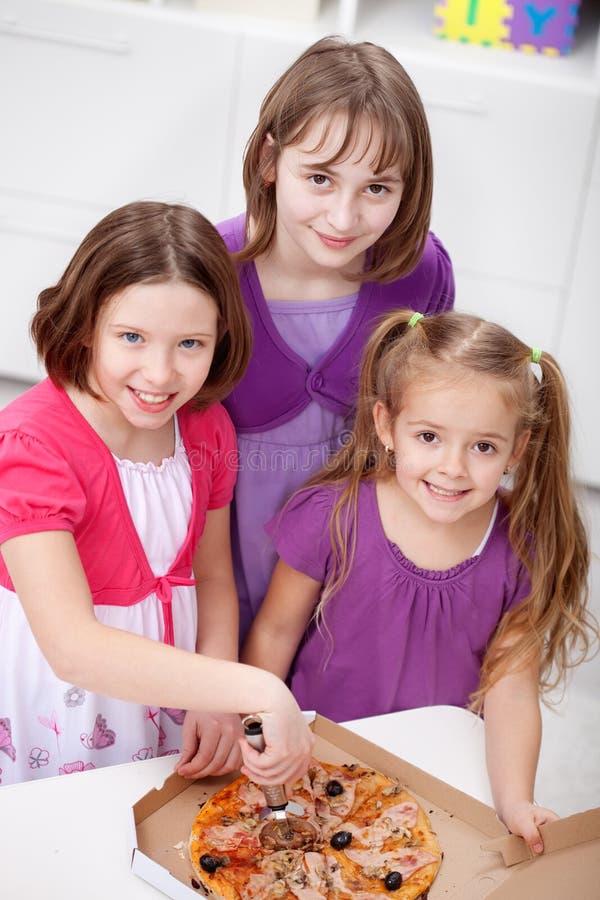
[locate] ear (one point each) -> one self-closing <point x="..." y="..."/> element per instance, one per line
<point x="519" y="448"/>
<point x="383" y="425"/>
<point x="266" y="158"/>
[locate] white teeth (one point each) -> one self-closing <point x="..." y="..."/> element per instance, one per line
<point x="439" y="490"/>
<point x="152" y="398"/>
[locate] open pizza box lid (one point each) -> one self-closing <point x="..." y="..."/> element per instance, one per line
<point x="481" y="860"/>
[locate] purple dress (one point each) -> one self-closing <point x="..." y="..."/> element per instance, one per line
<point x="289" y="453"/>
<point x="401" y="637"/>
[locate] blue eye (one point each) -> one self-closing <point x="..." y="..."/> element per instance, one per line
<point x="190" y="343"/>
<point x="132" y="337"/>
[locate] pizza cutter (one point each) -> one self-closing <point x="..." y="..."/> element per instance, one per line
<point x="285" y="829"/>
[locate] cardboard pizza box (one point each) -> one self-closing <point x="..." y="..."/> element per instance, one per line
<point x="481" y="859"/>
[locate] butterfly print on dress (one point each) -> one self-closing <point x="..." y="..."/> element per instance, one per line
<point x="176" y="715"/>
<point x="100" y="738"/>
<point x="6" y="744"/>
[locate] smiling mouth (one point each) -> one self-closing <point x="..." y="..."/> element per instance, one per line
<point x="336" y="242"/>
<point x="443" y="492"/>
<point x="151" y="398"/>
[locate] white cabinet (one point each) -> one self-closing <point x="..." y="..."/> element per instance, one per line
<point x="579" y="335"/>
<point x="99" y="106"/>
<point x="103" y="102"/>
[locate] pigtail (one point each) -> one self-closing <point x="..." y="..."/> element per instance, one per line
<point x="362" y="457"/>
<point x="548" y="536"/>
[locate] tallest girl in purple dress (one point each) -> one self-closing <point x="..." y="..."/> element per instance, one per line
<point x="338" y="179"/>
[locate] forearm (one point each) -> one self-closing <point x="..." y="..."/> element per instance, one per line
<point x="149" y="672"/>
<point x="268" y="649"/>
<point x="513" y="736"/>
<point x="218" y="618"/>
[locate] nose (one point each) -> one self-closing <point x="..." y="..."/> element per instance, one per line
<point x="158" y="367"/>
<point x="343" y="212"/>
<point x="452" y="462"/>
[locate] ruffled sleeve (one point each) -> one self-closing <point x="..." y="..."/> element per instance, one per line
<point x="300" y="532"/>
<point x="225" y="461"/>
<point x="38" y="489"/>
<point x="211" y="446"/>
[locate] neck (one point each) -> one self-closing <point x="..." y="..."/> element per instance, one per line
<point x="436" y="546"/>
<point x="283" y="278"/>
<point x="121" y="438"/>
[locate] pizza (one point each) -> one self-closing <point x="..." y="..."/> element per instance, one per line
<point x="361" y="835"/>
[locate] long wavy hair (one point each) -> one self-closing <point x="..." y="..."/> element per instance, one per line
<point x="545" y="529"/>
<point x="368" y="88"/>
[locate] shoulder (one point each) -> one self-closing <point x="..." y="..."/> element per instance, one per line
<point x="233" y="232"/>
<point x="429" y="288"/>
<point x="499" y="553"/>
<point x="28" y="412"/>
<point x="43" y="415"/>
<point x="210" y="427"/>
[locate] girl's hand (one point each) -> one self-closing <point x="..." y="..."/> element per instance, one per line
<point x="209" y="744"/>
<point x="288" y="751"/>
<point x="523" y="818"/>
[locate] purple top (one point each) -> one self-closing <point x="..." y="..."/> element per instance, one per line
<point x="289" y="453"/>
<point x="298" y="394"/>
<point x="401" y="637"/>
<point x="279" y="383"/>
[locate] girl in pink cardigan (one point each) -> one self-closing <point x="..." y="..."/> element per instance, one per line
<point x="118" y="609"/>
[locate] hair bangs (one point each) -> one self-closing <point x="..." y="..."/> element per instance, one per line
<point x="367" y="133"/>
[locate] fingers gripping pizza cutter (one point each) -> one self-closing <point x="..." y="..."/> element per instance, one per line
<point x="285" y="828"/>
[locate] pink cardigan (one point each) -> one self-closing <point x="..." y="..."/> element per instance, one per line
<point x="56" y="474"/>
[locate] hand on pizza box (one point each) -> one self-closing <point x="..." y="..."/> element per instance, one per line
<point x="288" y="749"/>
<point x="523" y="818"/>
<point x="210" y="744"/>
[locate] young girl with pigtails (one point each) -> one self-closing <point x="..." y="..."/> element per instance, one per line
<point x="411" y="573"/>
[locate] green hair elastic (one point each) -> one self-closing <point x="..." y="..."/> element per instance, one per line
<point x="415" y="318"/>
<point x="536" y="354"/>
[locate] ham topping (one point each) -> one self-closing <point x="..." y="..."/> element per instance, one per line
<point x="392" y="821"/>
<point x="230" y="837"/>
<point x="404" y="860"/>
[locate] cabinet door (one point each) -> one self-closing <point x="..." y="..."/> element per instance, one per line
<point x="578" y="347"/>
<point x="261" y="61"/>
<point x="100" y="106"/>
<point x="510" y="162"/>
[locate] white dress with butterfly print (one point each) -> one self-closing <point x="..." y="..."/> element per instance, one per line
<point x="58" y="728"/>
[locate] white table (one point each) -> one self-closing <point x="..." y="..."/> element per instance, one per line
<point x="45" y="826"/>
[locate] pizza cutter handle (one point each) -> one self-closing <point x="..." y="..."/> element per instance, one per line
<point x="274" y="793"/>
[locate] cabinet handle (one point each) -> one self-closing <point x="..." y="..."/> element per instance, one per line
<point x="37" y="231"/>
<point x="471" y="107"/>
<point x="11" y="28"/>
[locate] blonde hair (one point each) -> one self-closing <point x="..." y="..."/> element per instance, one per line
<point x="367" y="86"/>
<point x="545" y="529"/>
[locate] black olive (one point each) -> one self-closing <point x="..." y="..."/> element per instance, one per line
<point x="393" y="880"/>
<point x="334" y="788"/>
<point x="210" y="863"/>
<point x="340" y="840"/>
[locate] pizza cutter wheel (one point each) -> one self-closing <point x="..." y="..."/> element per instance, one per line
<point x="285" y="829"/>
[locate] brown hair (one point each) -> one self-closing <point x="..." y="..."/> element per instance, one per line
<point x="545" y="531"/>
<point x="368" y="86"/>
<point x="144" y="242"/>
